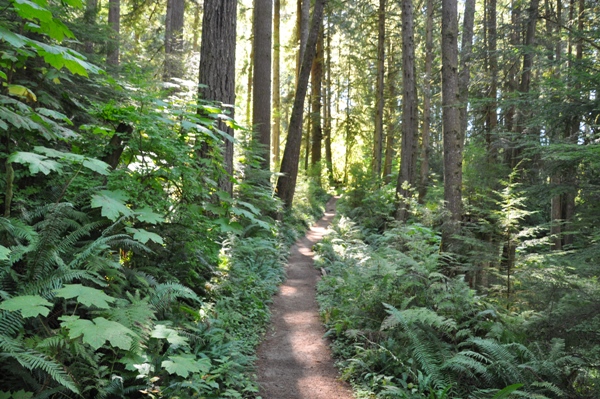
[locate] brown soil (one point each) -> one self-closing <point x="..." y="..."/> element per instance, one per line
<point x="294" y="360"/>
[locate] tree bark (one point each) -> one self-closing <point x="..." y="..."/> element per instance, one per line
<point x="316" y="87"/>
<point x="453" y="141"/>
<point x="491" y="117"/>
<point x="91" y="12"/>
<point x="410" y="122"/>
<point x="114" y="20"/>
<point x="327" y="119"/>
<point x="464" y="74"/>
<point x="174" y="39"/>
<point x="391" y="115"/>
<point x="261" y="100"/>
<point x="286" y="184"/>
<point x="276" y="132"/>
<point x="379" y="94"/>
<point x="425" y="133"/>
<point x="217" y="68"/>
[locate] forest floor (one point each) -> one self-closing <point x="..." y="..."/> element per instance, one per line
<point x="294" y="360"/>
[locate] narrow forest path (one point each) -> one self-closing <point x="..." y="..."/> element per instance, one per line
<point x="294" y="360"/>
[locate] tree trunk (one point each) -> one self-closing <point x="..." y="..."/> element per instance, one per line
<point x="196" y="26"/>
<point x="114" y="20"/>
<point x="217" y="68"/>
<point x="286" y="184"/>
<point x="261" y="100"/>
<point x="491" y="117"/>
<point x="424" y="172"/>
<point x="453" y="141"/>
<point x="391" y="115"/>
<point x="174" y="39"/>
<point x="410" y="122"/>
<point x="379" y="97"/>
<point x="91" y="12"/>
<point x="465" y="60"/>
<point x="303" y="11"/>
<point x="327" y="119"/>
<point x="316" y="127"/>
<point x="276" y="83"/>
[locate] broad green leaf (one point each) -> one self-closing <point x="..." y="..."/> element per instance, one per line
<point x="93" y="164"/>
<point x="172" y="336"/>
<point x="14" y="39"/>
<point x="505" y="393"/>
<point x="148" y="216"/>
<point x="5" y="395"/>
<point x="183" y="365"/>
<point x="28" y="305"/>
<point x="96" y="332"/>
<point x="87" y="296"/>
<point x="30" y="10"/>
<point x="54" y="115"/>
<point x="144" y="236"/>
<point x="112" y="204"/>
<point x="21" y="91"/>
<point x="37" y="163"/>
<point x="4" y="252"/>
<point x="22" y="394"/>
<point x="227" y="226"/>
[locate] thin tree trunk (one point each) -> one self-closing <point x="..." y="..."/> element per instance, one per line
<point x="276" y="83"/>
<point x="114" y="20"/>
<point x="391" y="115"/>
<point x="316" y="86"/>
<point x="491" y="117"/>
<point x="453" y="142"/>
<point x="425" y="150"/>
<point x="379" y="97"/>
<point x="286" y="184"/>
<point x="91" y="12"/>
<point x="327" y="127"/>
<point x="174" y="39"/>
<point x="217" y="69"/>
<point x="464" y="74"/>
<point x="410" y="122"/>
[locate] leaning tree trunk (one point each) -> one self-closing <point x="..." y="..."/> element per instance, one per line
<point x="286" y="184"/>
<point x="410" y="123"/>
<point x="217" y="68"/>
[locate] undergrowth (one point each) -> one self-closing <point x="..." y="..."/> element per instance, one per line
<point x="402" y="329"/>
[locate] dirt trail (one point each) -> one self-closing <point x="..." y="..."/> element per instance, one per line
<point x="294" y="360"/>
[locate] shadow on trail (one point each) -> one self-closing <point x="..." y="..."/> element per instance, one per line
<point x="294" y="360"/>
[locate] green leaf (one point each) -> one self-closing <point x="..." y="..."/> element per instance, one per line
<point x="112" y="204"/>
<point x="92" y="164"/>
<point x="144" y="236"/>
<point x="4" y="252"/>
<point x="22" y="394"/>
<point x="96" y="332"/>
<point x="227" y="226"/>
<point x="21" y="91"/>
<point x="147" y="215"/>
<point x="28" y="305"/>
<point x="504" y="393"/>
<point x="54" y="115"/>
<point x="87" y="296"/>
<point x="183" y="365"/>
<point x="172" y="336"/>
<point x="37" y="163"/>
<point x="14" y="39"/>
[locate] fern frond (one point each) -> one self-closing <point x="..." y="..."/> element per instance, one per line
<point x="33" y="360"/>
<point x="166" y="294"/>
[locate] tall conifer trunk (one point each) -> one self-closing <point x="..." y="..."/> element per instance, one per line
<point x="453" y="143"/>
<point x="379" y="94"/>
<point x="425" y="133"/>
<point x="410" y="123"/>
<point x="261" y="100"/>
<point x="316" y="87"/>
<point x="276" y="132"/>
<point x="217" y="68"/>
<point x="114" y="20"/>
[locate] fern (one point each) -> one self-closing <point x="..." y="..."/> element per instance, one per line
<point x="33" y="360"/>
